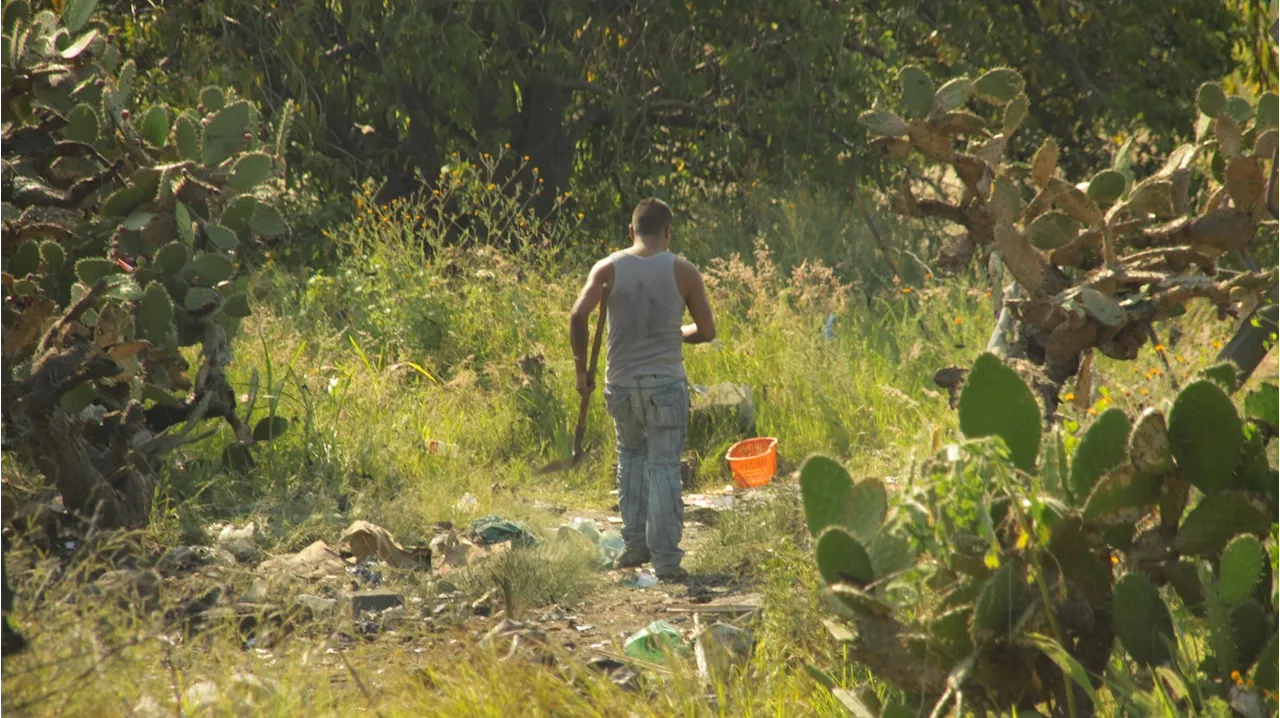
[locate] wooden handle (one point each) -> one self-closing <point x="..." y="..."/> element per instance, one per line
<point x="581" y="429"/>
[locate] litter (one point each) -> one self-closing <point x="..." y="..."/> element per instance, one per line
<point x="435" y="447"/>
<point x="719" y="647"/>
<point x="642" y="579"/>
<point x="490" y="530"/>
<point x="314" y="561"/>
<point x="367" y="540"/>
<point x="611" y="547"/>
<point x="654" y="641"/>
<point x="587" y="528"/>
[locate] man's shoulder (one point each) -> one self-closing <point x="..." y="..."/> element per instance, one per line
<point x="684" y="266"/>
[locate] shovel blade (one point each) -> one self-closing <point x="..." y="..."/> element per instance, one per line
<point x="563" y="464"/>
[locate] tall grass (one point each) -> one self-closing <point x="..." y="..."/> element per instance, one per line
<point x="431" y="328"/>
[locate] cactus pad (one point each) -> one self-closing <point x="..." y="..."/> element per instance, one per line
<point x="172" y="257"/>
<point x="868" y="503"/>
<point x="237" y="214"/>
<point x="224" y="135"/>
<point x="75" y="13"/>
<point x="212" y="268"/>
<point x="1250" y="629"/>
<point x="825" y="488"/>
<point x="155" y="126"/>
<point x="1149" y="443"/>
<point x="917" y="91"/>
<point x="999" y="86"/>
<point x="1267" y="114"/>
<point x="883" y="123"/>
<point x="890" y="554"/>
<point x="1265" y="673"/>
<point x="1001" y="602"/>
<point x="1052" y="230"/>
<point x="1015" y="113"/>
<point x="267" y="222"/>
<point x="996" y="402"/>
<point x="1101" y="449"/>
<point x="91" y="269"/>
<point x="951" y="96"/>
<point x="197" y="298"/>
<point x="1211" y="99"/>
<point x="1142" y="620"/>
<point x="221" y="237"/>
<point x="1263" y="405"/>
<point x="237" y="305"/>
<point x="1239" y="109"/>
<point x="212" y="98"/>
<point x="250" y="170"/>
<point x="155" y="315"/>
<point x="1225" y="374"/>
<point x="52" y="255"/>
<point x="1218" y="519"/>
<point x="270" y="428"/>
<point x="82" y="125"/>
<point x="1205" y="435"/>
<point x="187" y="137"/>
<point x="1122" y="497"/>
<point x="1240" y="569"/>
<point x="182" y="222"/>
<point x="842" y="559"/>
<point x="1106" y="187"/>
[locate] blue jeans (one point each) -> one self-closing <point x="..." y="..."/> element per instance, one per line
<point x="651" y="417"/>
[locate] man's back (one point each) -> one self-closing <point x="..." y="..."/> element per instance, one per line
<point x="646" y="308"/>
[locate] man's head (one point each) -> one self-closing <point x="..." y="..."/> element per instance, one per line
<point x="651" y="222"/>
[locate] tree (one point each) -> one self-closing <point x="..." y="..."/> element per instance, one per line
<point x="121" y="233"/>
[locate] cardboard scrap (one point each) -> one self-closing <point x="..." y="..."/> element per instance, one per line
<point x="364" y="540"/>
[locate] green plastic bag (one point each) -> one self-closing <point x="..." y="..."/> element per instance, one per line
<point x="654" y="641"/>
<point x="491" y="530"/>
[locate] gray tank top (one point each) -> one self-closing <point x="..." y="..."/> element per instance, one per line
<point x="645" y="313"/>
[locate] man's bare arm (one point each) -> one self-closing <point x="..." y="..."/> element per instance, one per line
<point x="703" y="328"/>
<point x="579" y="317"/>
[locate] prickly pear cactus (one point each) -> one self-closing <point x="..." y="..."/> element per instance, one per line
<point x="1022" y="590"/>
<point x="1096" y="260"/>
<point x="122" y="225"/>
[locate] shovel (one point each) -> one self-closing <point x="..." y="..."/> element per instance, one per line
<point x="581" y="429"/>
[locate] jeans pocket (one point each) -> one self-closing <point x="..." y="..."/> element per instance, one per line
<point x="671" y="407"/>
<point x="616" y="401"/>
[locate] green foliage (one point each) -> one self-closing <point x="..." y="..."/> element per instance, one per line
<point x="1102" y="449"/>
<point x="1006" y="560"/>
<point x="123" y="218"/>
<point x="1205" y="435"/>
<point x="996" y="402"/>
<point x="1240" y="569"/>
<point x="842" y="559"/>
<point x="1143" y="621"/>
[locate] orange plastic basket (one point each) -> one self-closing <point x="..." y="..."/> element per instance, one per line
<point x="753" y="461"/>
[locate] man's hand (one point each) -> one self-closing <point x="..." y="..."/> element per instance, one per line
<point x="586" y="384"/>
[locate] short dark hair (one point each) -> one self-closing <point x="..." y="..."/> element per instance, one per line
<point x="651" y="217"/>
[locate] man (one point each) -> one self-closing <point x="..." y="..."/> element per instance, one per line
<point x="648" y="290"/>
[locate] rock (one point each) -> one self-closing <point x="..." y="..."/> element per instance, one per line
<point x="257" y="592"/>
<point x="128" y="585"/>
<point x="148" y="707"/>
<point x="315" y="607"/>
<point x="182" y="559"/>
<point x="240" y="541"/>
<point x="202" y="696"/>
<point x="371" y="601"/>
